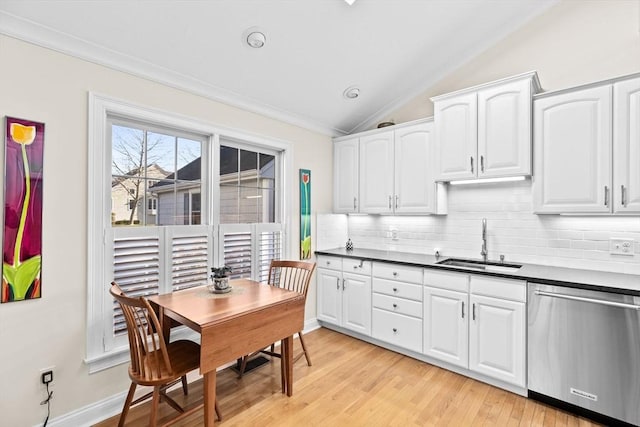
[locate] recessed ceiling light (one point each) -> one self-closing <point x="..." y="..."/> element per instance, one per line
<point x="350" y="2"/>
<point x="352" y="92"/>
<point x="256" y="39"/>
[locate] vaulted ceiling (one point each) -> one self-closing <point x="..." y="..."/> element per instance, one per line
<point x="392" y="50"/>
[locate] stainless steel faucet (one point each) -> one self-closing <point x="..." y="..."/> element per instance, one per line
<point x="484" y="251"/>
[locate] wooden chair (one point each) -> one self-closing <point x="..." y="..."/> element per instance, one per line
<point x="294" y="276"/>
<point x="154" y="362"/>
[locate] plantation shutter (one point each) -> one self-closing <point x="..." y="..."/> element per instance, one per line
<point x="189" y="259"/>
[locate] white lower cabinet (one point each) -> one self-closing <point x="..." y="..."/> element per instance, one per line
<point x="397" y="305"/>
<point x="476" y="322"/>
<point x="445" y="325"/>
<point x="344" y="293"/>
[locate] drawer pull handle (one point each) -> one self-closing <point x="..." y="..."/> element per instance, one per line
<point x="395" y="331"/>
<point x="395" y="289"/>
<point x="395" y="306"/>
<point x="395" y="273"/>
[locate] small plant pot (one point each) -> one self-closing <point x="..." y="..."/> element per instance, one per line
<point x="221" y="283"/>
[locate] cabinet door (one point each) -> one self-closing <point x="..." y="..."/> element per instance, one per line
<point x="329" y="285"/>
<point x="356" y="303"/>
<point x="414" y="184"/>
<point x="504" y="130"/>
<point x="376" y="173"/>
<point x="456" y="133"/>
<point x="497" y="339"/>
<point x="626" y="146"/>
<point x="572" y="152"/>
<point x="345" y="176"/>
<point x="445" y="325"/>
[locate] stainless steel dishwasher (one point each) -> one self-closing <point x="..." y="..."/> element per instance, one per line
<point x="584" y="349"/>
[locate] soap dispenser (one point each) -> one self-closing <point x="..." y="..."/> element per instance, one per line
<point x="349" y="245"/>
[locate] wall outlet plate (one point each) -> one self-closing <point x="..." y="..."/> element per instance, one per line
<point x="621" y="247"/>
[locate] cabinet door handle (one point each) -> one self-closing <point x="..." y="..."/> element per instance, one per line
<point x="337" y="283"/>
<point x="482" y="164"/>
<point x="343" y="285"/>
<point x="473" y="314"/>
<point x="606" y="195"/>
<point x="397" y="200"/>
<point x="354" y="203"/>
<point x="463" y="309"/>
<point x="390" y="198"/>
<point x="471" y="164"/>
<point x="623" y="196"/>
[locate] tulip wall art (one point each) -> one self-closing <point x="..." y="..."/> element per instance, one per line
<point x="305" y="214"/>
<point x="22" y="245"/>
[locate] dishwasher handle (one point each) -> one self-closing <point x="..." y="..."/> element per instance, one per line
<point x="591" y="300"/>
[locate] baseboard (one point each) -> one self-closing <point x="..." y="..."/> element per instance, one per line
<point x="111" y="406"/>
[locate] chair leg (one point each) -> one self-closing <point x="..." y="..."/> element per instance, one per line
<point x="153" y="418"/>
<point x="218" y="413"/>
<point x="185" y="387"/>
<point x="127" y="404"/>
<point x="304" y="349"/>
<point x="243" y="366"/>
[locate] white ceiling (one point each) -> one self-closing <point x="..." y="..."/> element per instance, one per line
<point x="391" y="49"/>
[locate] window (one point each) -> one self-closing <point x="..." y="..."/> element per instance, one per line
<point x="169" y="198"/>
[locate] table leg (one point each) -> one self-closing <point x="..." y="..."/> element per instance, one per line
<point x="209" y="398"/>
<point x="289" y="364"/>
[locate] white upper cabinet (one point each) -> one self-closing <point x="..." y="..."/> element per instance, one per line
<point x="414" y="188"/>
<point x="345" y="176"/>
<point x="504" y="130"/>
<point x="376" y="173"/>
<point x="388" y="171"/>
<point x="457" y="137"/>
<point x="485" y="132"/>
<point x="626" y="146"/>
<point x="572" y="148"/>
<point x="587" y="149"/>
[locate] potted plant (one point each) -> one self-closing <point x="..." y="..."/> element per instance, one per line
<point x="220" y="278"/>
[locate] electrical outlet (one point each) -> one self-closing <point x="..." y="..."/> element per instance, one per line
<point x="394" y="234"/>
<point x="621" y="246"/>
<point x="46" y="375"/>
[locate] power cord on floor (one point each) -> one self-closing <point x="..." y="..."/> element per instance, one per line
<point x="47" y="402"/>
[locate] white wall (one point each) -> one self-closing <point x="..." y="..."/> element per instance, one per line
<point x="573" y="43"/>
<point x="46" y="86"/>
<point x="512" y="230"/>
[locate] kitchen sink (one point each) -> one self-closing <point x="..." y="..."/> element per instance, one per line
<point x="498" y="267"/>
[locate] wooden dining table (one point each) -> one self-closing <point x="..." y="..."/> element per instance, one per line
<point x="248" y="318"/>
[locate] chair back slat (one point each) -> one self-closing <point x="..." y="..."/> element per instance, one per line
<point x="147" y="347"/>
<point x="292" y="275"/>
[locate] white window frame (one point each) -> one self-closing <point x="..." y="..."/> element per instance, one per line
<point x="101" y="354"/>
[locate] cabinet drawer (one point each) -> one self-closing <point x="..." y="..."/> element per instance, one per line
<point x="398" y="305"/>
<point x="397" y="289"/>
<point x="358" y="266"/>
<point x="398" y="272"/>
<point x="447" y="280"/>
<point x="329" y="262"/>
<point x="397" y="329"/>
<point x="515" y="290"/>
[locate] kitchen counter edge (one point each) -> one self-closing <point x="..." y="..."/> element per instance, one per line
<point x="550" y="275"/>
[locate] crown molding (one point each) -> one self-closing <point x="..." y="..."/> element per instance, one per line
<point x="40" y="35"/>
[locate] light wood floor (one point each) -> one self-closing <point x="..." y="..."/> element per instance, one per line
<point x="353" y="383"/>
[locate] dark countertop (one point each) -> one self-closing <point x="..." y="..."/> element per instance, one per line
<point x="572" y="277"/>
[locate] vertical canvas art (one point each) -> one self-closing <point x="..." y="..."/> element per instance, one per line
<point x="305" y="214"/>
<point x="22" y="245"/>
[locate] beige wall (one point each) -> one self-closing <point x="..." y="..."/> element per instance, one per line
<point x="573" y="43"/>
<point x="50" y="87"/>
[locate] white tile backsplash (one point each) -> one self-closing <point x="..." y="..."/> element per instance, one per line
<point x="512" y="230"/>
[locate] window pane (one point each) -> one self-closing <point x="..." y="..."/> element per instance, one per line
<point x="189" y="159"/>
<point x="127" y="151"/>
<point x="267" y="171"/>
<point x="249" y="205"/>
<point x="164" y="192"/>
<point x="229" y="207"/>
<point x="161" y="153"/>
<point x="229" y="165"/>
<point x="248" y="168"/>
